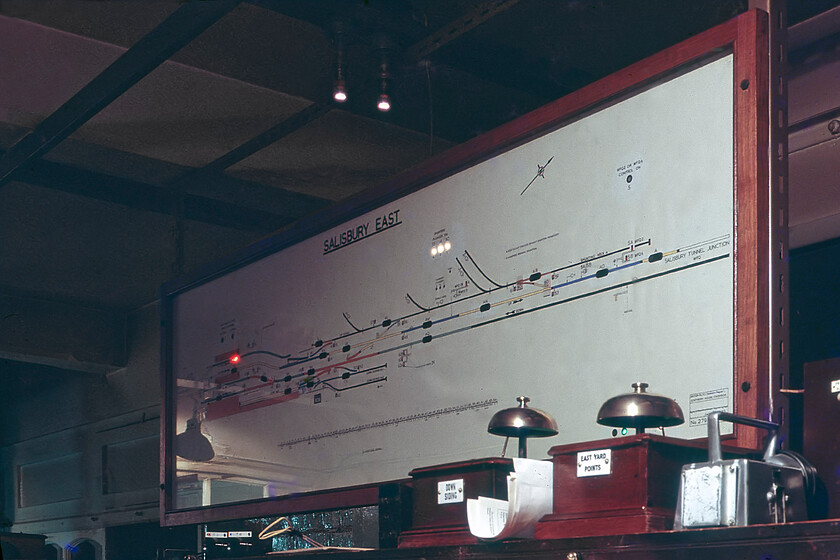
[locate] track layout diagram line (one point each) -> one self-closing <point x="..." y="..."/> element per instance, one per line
<point x="479" y="405"/>
<point x="236" y="387"/>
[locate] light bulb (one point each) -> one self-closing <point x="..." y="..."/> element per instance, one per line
<point x="339" y="93"/>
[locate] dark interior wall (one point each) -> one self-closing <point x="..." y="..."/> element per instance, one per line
<point x="79" y="450"/>
<point x="148" y="541"/>
<point x="815" y="316"/>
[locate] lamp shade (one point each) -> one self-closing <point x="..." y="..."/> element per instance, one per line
<point x="640" y="410"/>
<point x="522" y="422"/>
<point x="192" y="445"/>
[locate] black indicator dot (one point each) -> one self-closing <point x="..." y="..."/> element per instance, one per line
<point x="386" y="323"/>
<point x="233" y="370"/>
<point x="427" y="338"/>
<point x="310" y="383"/>
<point x="484" y="307"/>
<point x="345" y="375"/>
<point x="655" y="257"/>
<point x="346" y="348"/>
<point x="263" y="378"/>
<point x="427" y="324"/>
<point x="629" y="179"/>
<point x="310" y="371"/>
<point x="322" y="355"/>
<point x="535" y="276"/>
<point x="319" y="343"/>
<point x="287" y="391"/>
<point x="602" y="272"/>
<point x="287" y="378"/>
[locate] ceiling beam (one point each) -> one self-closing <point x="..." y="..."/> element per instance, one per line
<point x="456" y="28"/>
<point x="270" y="136"/>
<point x="179" y="29"/>
<point x="513" y="69"/>
<point x="285" y="206"/>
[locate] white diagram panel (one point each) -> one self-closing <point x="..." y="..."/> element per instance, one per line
<point x="565" y="269"/>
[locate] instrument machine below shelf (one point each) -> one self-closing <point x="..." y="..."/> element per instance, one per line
<point x="738" y="492"/>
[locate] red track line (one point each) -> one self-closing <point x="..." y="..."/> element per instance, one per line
<point x="351" y="360"/>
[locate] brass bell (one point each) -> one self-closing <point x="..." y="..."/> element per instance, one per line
<point x="640" y="410"/>
<point x="522" y="422"/>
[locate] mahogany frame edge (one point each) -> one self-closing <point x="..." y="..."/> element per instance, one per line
<point x="752" y="214"/>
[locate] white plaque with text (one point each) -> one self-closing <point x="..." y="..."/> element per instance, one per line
<point x="594" y="463"/>
<point x="451" y="491"/>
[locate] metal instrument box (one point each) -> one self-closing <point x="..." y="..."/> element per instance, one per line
<point x="739" y="492"/>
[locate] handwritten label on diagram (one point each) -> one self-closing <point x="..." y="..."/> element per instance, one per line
<point x="594" y="463"/>
<point x="630" y="174"/>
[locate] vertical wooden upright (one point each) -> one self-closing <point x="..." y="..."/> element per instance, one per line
<point x="752" y="210"/>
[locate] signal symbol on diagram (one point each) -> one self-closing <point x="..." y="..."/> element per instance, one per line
<point x="623" y="296"/>
<point x="402" y="361"/>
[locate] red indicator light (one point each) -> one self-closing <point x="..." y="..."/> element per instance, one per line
<point x="234" y="359"/>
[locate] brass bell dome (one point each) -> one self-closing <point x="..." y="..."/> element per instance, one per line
<point x="640" y="410"/>
<point x="522" y="422"/>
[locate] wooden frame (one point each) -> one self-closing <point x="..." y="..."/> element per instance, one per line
<point x="746" y="37"/>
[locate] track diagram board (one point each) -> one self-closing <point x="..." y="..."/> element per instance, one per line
<point x="565" y="269"/>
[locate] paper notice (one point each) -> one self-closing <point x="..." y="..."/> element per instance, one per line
<point x="530" y="496"/>
<point x="487" y="516"/>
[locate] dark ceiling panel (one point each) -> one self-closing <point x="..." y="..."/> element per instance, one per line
<point x="150" y="198"/>
<point x="278" y="131"/>
<point x="180" y="28"/>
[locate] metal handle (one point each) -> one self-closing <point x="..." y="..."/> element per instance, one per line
<point x="715" y="454"/>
